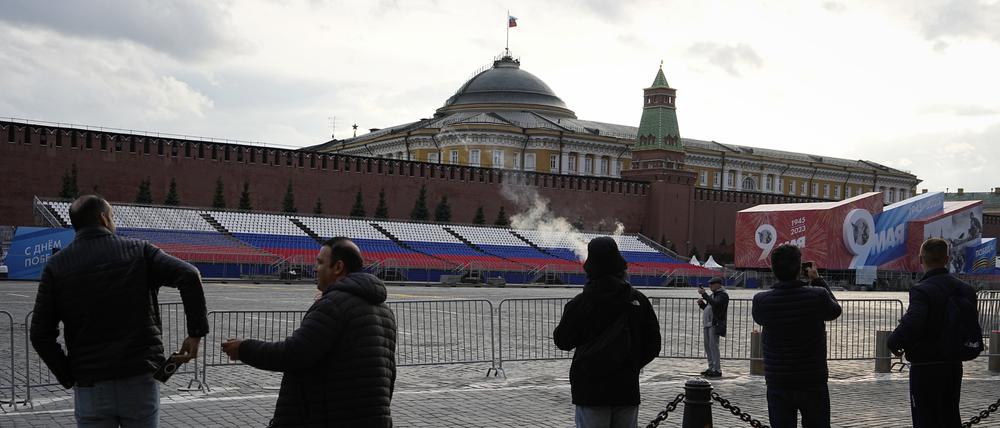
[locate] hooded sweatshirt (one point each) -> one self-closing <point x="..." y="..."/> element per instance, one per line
<point x="340" y="364"/>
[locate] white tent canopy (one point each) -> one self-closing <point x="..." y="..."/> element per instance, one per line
<point x="694" y="261"/>
<point x="711" y="263"/>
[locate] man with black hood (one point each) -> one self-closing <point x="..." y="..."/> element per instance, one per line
<point x="340" y="365"/>
<point x="615" y="333"/>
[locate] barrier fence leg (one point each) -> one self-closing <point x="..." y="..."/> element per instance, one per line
<point x="697" y="404"/>
<point x="994" y="358"/>
<point x="883" y="357"/>
<point x="756" y="354"/>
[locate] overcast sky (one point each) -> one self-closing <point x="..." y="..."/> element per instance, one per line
<point x="911" y="84"/>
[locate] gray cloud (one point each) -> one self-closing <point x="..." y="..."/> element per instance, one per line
<point x="959" y="18"/>
<point x="962" y="110"/>
<point x="833" y="6"/>
<point x="608" y="10"/>
<point x="734" y="59"/>
<point x="184" y="29"/>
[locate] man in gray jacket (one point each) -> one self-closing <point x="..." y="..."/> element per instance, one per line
<point x="714" y="307"/>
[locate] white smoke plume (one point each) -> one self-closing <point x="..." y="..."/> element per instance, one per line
<point x="534" y="214"/>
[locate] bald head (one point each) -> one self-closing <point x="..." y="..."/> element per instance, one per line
<point x="90" y="211"/>
<point x="342" y="248"/>
<point x="934" y="253"/>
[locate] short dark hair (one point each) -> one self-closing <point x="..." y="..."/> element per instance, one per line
<point x="86" y="211"/>
<point x="786" y="262"/>
<point x="934" y="251"/>
<point x="344" y="249"/>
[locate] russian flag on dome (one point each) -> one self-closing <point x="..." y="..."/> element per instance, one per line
<point x="511" y="21"/>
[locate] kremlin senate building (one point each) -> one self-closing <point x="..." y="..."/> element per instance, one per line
<point x="503" y="127"/>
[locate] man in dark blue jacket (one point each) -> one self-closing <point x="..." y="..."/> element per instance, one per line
<point x="605" y="388"/>
<point x="104" y="289"/>
<point x="935" y="377"/>
<point x="794" y="338"/>
<point x="339" y="366"/>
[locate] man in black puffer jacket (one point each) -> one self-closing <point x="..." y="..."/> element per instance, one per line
<point x="935" y="376"/>
<point x="340" y="365"/>
<point x="608" y="396"/>
<point x="104" y="290"/>
<point x="794" y="339"/>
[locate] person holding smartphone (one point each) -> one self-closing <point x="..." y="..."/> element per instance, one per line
<point x="714" y="307"/>
<point x="792" y="315"/>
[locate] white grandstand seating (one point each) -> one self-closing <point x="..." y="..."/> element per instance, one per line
<point x="488" y="236"/>
<point x="355" y="229"/>
<point x="61" y="209"/>
<point x="421" y="232"/>
<point x="139" y="217"/>
<point x="625" y="242"/>
<point x="269" y="224"/>
<point x="547" y="239"/>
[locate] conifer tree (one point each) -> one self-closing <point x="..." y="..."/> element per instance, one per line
<point x="358" y="210"/>
<point x="480" y="218"/>
<point x="318" y="208"/>
<point x="144" y="196"/>
<point x="382" y="210"/>
<point x="442" y="213"/>
<point x="420" y="207"/>
<point x="694" y="252"/>
<point x="288" y="205"/>
<point x="502" y="219"/>
<point x="245" y="198"/>
<point x="219" y="199"/>
<point x="172" y="197"/>
<point x="69" y="190"/>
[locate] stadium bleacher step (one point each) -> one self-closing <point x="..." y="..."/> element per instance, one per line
<point x="306" y="229"/>
<point x="215" y="223"/>
<point x="393" y="238"/>
<point x="476" y="247"/>
<point x="533" y="245"/>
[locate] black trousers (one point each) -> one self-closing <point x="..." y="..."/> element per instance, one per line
<point x="935" y="391"/>
<point x="784" y="405"/>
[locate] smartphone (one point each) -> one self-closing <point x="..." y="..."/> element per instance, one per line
<point x="805" y="268"/>
<point x="168" y="368"/>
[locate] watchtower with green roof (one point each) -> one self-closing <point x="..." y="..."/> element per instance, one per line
<point x="658" y="158"/>
<point x="658" y="127"/>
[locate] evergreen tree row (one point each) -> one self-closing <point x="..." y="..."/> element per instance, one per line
<point x="144" y="195"/>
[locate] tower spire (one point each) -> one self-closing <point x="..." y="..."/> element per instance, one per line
<point x="658" y="127"/>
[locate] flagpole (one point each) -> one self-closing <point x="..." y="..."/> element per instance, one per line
<point x="506" y="47"/>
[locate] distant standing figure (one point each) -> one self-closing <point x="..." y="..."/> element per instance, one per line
<point x="615" y="333"/>
<point x="792" y="315"/>
<point x="935" y="376"/>
<point x="714" y="308"/>
<point x="104" y="289"/>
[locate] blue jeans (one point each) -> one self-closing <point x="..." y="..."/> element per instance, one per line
<point x="607" y="416"/>
<point x="127" y="402"/>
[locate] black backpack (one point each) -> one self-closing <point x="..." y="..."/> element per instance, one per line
<point x="609" y="350"/>
<point x="961" y="334"/>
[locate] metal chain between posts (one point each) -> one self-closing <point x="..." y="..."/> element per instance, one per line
<point x="982" y="415"/>
<point x="735" y="410"/>
<point x="662" y="416"/>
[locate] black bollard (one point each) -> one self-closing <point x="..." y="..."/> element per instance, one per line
<point x="697" y="404"/>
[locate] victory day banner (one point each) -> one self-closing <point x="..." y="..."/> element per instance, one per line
<point x="31" y="249"/>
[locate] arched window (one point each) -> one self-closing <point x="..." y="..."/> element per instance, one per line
<point x="749" y="183"/>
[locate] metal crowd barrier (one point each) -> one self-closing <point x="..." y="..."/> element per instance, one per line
<point x="525" y="330"/>
<point x="8" y="395"/>
<point x="444" y="332"/>
<point x="989" y="315"/>
<point x="526" y="325"/>
<point x="268" y="326"/>
<point x="429" y="332"/>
